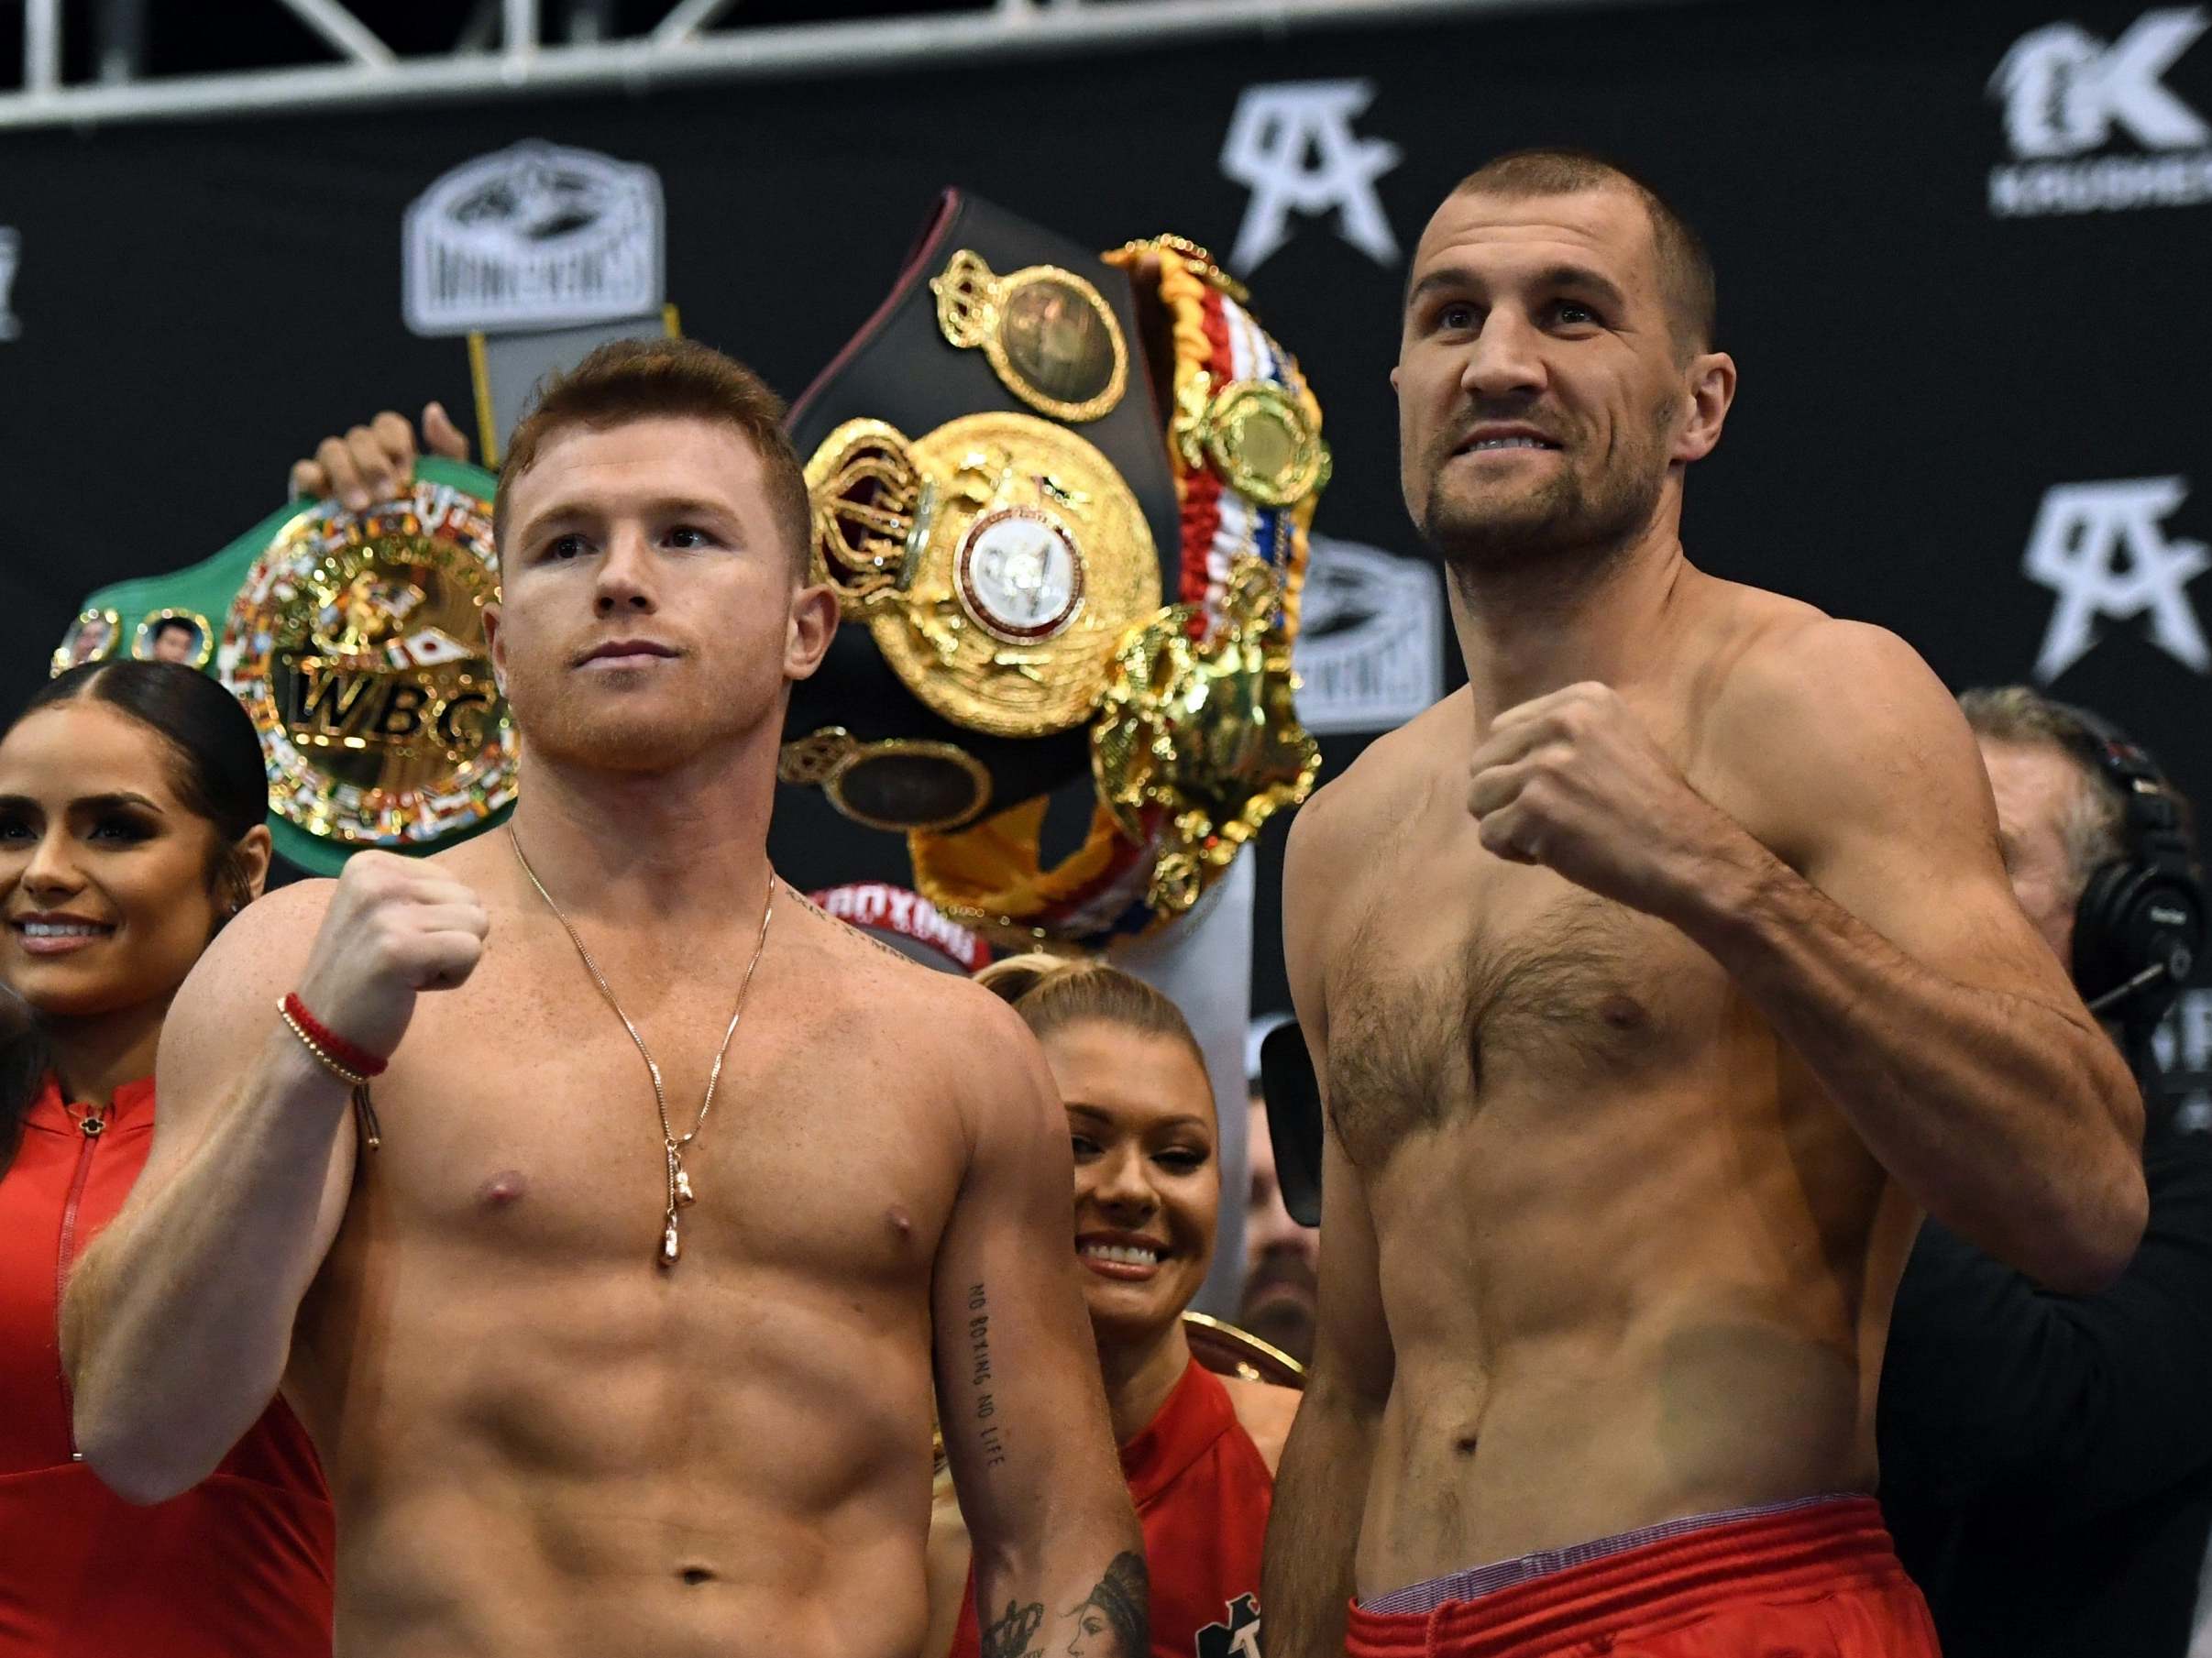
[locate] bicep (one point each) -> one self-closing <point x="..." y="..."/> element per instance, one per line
<point x="221" y="1028"/>
<point x="1878" y="795"/>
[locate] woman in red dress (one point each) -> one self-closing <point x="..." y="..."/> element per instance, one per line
<point x="132" y="795"/>
<point x="1199" y="1450"/>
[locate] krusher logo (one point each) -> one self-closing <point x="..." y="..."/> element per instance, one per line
<point x="533" y="236"/>
<point x="11" y="248"/>
<point x="2067" y="92"/>
<point x="2101" y="549"/>
<point x="1291" y="146"/>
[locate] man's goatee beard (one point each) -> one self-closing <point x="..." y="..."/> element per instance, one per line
<point x="1565" y="528"/>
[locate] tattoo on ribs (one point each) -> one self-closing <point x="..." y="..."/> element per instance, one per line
<point x="1011" y="1635"/>
<point x="1115" y="1619"/>
<point x="988" y="1432"/>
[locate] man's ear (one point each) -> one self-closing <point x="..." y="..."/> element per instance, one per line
<point x="813" y="623"/>
<point x="1712" y="390"/>
<point x="493" y="646"/>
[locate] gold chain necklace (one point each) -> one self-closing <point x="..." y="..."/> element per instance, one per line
<point x="680" y="1195"/>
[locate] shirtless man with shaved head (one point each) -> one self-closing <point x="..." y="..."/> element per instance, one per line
<point x="621" y="1337"/>
<point x="1658" y="980"/>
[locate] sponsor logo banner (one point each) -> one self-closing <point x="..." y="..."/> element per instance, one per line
<point x="2183" y="1043"/>
<point x="2102" y="550"/>
<point x="1371" y="638"/>
<point x="535" y="237"/>
<point x="2067" y="92"/>
<point x="1293" y="147"/>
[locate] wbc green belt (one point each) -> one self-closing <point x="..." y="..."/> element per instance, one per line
<point x="355" y="642"/>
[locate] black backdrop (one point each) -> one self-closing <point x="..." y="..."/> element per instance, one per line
<point x="198" y="303"/>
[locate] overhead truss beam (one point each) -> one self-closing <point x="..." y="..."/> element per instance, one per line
<point x="681" y="49"/>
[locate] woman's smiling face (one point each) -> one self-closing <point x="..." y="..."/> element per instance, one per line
<point x="1148" y="1185"/>
<point x="104" y="871"/>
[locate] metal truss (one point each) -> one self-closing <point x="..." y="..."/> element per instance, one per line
<point x="684" y="46"/>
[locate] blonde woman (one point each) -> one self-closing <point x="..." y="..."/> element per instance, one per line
<point x="1198" y="1450"/>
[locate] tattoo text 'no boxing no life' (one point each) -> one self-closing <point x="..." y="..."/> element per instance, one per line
<point x="979" y="1377"/>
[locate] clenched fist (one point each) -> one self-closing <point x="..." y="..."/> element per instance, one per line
<point x="395" y="926"/>
<point x="375" y="462"/>
<point x="1572" y="781"/>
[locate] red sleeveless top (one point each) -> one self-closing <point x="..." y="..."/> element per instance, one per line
<point x="237" y="1568"/>
<point x="1203" y="1492"/>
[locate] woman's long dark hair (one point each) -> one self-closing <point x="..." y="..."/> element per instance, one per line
<point x="217" y="773"/>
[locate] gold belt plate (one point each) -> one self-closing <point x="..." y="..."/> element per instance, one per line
<point x="1048" y="334"/>
<point x="995" y="560"/>
<point x="357" y="644"/>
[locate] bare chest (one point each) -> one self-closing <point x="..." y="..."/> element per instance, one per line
<point x="520" y="1115"/>
<point x="1463" y="981"/>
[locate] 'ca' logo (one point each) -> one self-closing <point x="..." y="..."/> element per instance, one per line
<point x="2064" y="89"/>
<point x="1240" y="1636"/>
<point x="11" y="246"/>
<point x="1293" y="147"/>
<point x="2075" y="549"/>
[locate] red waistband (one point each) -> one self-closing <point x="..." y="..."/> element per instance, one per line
<point x="1810" y="1549"/>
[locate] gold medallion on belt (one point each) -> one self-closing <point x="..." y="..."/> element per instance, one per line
<point x="995" y="560"/>
<point x="1048" y="334"/>
<point x="357" y="644"/>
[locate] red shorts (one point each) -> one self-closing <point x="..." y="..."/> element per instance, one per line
<point x="1808" y="1580"/>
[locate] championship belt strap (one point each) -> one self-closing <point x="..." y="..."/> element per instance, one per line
<point x="355" y="642"/>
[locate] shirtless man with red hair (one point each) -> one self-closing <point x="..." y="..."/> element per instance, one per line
<point x="621" y="1341"/>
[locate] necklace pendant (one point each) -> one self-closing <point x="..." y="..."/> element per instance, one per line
<point x="684" y="1196"/>
<point x="671" y="1245"/>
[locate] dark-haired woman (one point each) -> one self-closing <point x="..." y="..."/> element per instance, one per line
<point x="132" y="795"/>
<point x="1198" y="1450"/>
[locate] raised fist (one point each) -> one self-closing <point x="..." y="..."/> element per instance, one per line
<point x="375" y="462"/>
<point x="1573" y="782"/>
<point x="395" y="926"/>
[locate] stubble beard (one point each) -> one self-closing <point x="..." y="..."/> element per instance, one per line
<point x="635" y="733"/>
<point x="1564" y="526"/>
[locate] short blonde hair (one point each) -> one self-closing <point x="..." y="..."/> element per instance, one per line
<point x="1051" y="992"/>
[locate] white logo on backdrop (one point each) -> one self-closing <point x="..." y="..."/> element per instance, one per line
<point x="1291" y="144"/>
<point x="11" y="248"/>
<point x="533" y="236"/>
<point x="2067" y="92"/>
<point x="2182" y="1041"/>
<point x="2100" y="548"/>
<point x="1371" y="638"/>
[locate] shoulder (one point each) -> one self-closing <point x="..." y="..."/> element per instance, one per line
<point x="1814" y="722"/>
<point x="267" y="939"/>
<point x="931" y="1024"/>
<point x="1392" y="779"/>
<point x="1265" y="1413"/>
<point x="1800" y="661"/>
<point x="913" y="1003"/>
<point x="1396" y="768"/>
<point x="1773" y="667"/>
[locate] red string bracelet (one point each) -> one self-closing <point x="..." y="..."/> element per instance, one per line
<point x="345" y="1053"/>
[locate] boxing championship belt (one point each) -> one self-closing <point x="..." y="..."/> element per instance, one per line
<point x="355" y="642"/>
<point x="1062" y="500"/>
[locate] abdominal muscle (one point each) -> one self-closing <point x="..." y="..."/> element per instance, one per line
<point x="1620" y="1312"/>
<point x="574" y="1461"/>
